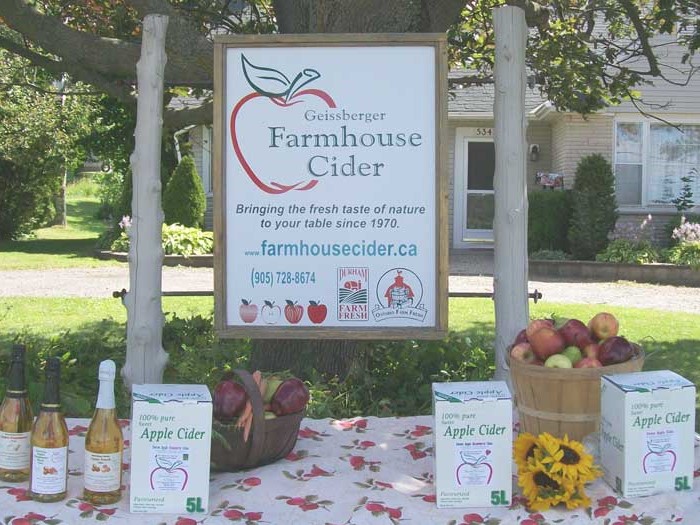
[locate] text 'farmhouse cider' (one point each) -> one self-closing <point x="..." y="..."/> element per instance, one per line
<point x="104" y="444"/>
<point x="16" y="421"/>
<point x="49" y="470"/>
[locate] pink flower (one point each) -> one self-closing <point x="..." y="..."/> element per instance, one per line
<point x="366" y="444"/>
<point x="375" y="507"/>
<point x="233" y="514"/>
<point x="252" y="482"/>
<point x="469" y="519"/>
<point x="308" y="506"/>
<point x="85" y="507"/>
<point x="296" y="501"/>
<point x="253" y="516"/>
<point x="394" y="513"/>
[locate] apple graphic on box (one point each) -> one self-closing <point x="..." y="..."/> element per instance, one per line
<point x="546" y="342"/>
<point x="573" y="353"/>
<point x="274" y="87"/>
<point x="293" y="312"/>
<point x="604" y="325"/>
<point x="248" y="311"/>
<point x="535" y="325"/>
<point x="270" y="312"/>
<point x="168" y="476"/>
<point x="317" y="312"/>
<point x="474" y="470"/>
<point x="660" y="458"/>
<point x="523" y="352"/>
<point x="575" y="333"/>
<point x="558" y="361"/>
<point x="588" y="362"/>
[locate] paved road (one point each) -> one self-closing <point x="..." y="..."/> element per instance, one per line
<point x="101" y="282"/>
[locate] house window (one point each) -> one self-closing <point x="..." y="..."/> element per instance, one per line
<point x="651" y="159"/>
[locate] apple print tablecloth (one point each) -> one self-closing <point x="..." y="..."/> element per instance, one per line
<point x="358" y="471"/>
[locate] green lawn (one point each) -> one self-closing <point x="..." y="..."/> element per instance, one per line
<point x="59" y="247"/>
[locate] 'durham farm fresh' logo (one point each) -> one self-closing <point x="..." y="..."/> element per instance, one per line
<point x="278" y="89"/>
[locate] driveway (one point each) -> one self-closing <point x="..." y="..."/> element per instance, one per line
<point x="101" y="282"/>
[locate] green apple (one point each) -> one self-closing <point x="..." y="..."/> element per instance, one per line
<point x="273" y="383"/>
<point x="573" y="353"/>
<point x="558" y="361"/>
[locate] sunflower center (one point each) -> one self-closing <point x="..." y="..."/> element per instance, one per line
<point x="543" y="480"/>
<point x="530" y="452"/>
<point x="571" y="457"/>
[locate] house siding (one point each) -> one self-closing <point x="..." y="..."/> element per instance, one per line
<point x="574" y="137"/>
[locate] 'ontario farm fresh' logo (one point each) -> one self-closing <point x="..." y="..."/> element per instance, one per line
<point x="277" y="88"/>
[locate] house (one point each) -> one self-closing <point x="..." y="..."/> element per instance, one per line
<point x="649" y="155"/>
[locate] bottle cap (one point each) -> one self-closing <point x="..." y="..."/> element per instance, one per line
<point x="18" y="352"/>
<point x="108" y="370"/>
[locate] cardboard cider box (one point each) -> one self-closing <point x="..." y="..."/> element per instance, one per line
<point x="473" y="444"/>
<point x="647" y="432"/>
<point x="170" y="448"/>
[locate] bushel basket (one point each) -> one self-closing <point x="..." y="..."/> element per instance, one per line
<point x="269" y="439"/>
<point x="563" y="401"/>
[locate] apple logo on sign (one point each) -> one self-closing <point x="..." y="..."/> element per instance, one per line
<point x="276" y="87"/>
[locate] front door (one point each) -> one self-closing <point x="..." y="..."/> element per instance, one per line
<point x="475" y="162"/>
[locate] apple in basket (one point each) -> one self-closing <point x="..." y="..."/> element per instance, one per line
<point x="523" y="352"/>
<point x="229" y="400"/>
<point x="615" y="350"/>
<point x="290" y="397"/>
<point x="575" y="333"/>
<point x="604" y="325"/>
<point x="546" y="342"/>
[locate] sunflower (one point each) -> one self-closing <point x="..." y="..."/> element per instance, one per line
<point x="542" y="489"/>
<point x="567" y="458"/>
<point x="578" y="498"/>
<point x="524" y="450"/>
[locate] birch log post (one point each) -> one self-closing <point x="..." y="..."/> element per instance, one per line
<point x="510" y="182"/>
<point x="145" y="357"/>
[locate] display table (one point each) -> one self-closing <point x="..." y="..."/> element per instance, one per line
<point x="369" y="470"/>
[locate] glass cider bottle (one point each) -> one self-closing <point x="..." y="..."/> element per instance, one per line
<point x="104" y="444"/>
<point x="49" y="460"/>
<point x="16" y="421"/>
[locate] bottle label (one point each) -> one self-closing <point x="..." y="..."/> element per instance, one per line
<point x="15" y="450"/>
<point x="49" y="470"/>
<point x="102" y="471"/>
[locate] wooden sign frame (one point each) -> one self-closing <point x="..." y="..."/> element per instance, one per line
<point x="436" y="330"/>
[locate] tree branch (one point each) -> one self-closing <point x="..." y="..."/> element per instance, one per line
<point x="632" y="12"/>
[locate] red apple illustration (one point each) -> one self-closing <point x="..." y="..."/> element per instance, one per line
<point x="168" y="475"/>
<point x="317" y="312"/>
<point x="474" y="470"/>
<point x="270" y="312"/>
<point x="293" y="312"/>
<point x="248" y="311"/>
<point x="660" y="458"/>
<point x="276" y="87"/>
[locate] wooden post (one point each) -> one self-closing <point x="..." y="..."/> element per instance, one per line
<point x="145" y="357"/>
<point x="510" y="182"/>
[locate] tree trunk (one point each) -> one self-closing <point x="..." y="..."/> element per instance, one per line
<point x="510" y="182"/>
<point x="59" y="203"/>
<point x="145" y="357"/>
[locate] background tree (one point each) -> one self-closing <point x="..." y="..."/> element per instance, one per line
<point x="184" y="201"/>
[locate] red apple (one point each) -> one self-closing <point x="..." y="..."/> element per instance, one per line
<point x="520" y="338"/>
<point x="293" y="312"/>
<point x="604" y="325"/>
<point x="592" y="350"/>
<point x="575" y="333"/>
<point x="546" y="342"/>
<point x="523" y="352"/>
<point x="290" y="397"/>
<point x="316" y="311"/>
<point x="588" y="362"/>
<point x="536" y="325"/>
<point x="229" y="400"/>
<point x="615" y="350"/>
<point x="248" y="311"/>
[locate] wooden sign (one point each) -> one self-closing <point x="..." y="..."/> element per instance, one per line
<point x="330" y="201"/>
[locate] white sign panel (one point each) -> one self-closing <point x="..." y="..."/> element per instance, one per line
<point x="330" y="203"/>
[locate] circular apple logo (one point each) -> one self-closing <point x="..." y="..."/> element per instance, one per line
<point x="278" y="89"/>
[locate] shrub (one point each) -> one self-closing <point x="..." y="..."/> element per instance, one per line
<point x="184" y="201"/>
<point x="177" y="240"/>
<point x="549" y="255"/>
<point x="549" y="213"/>
<point x="594" y="207"/>
<point x="27" y="198"/>
<point x="686" y="253"/>
<point x="630" y="252"/>
<point x="687" y="232"/>
<point x="111" y="194"/>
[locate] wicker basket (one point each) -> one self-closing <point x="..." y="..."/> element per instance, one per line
<point x="563" y="401"/>
<point x="269" y="439"/>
